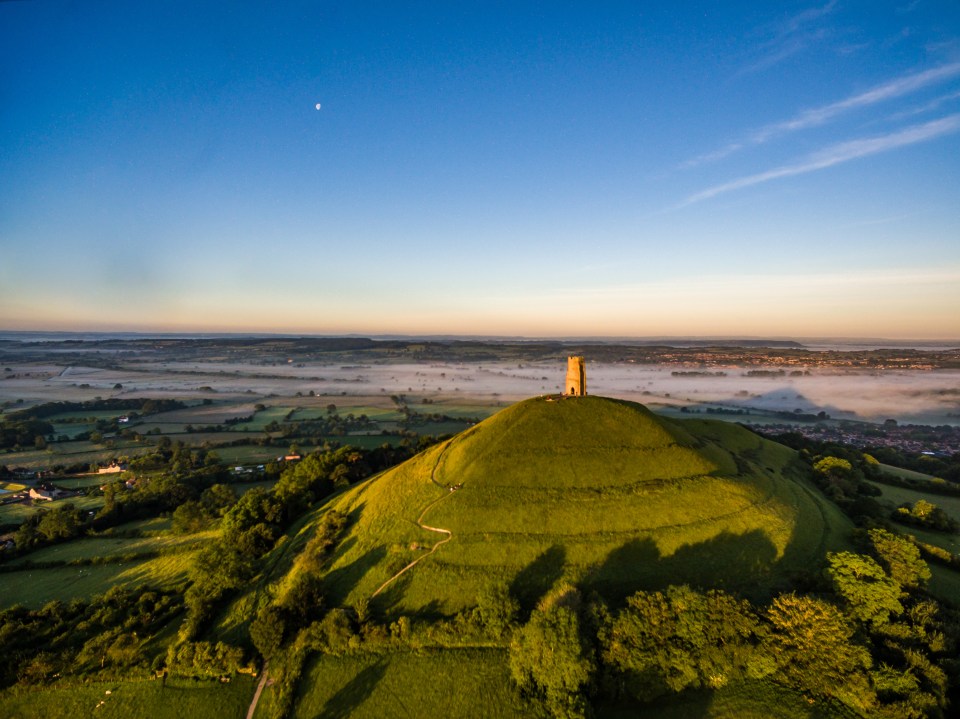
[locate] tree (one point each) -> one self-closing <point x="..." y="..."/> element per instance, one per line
<point x="870" y="594"/>
<point x="267" y="630"/>
<point x="548" y="658"/>
<point x="60" y="523"/>
<point x="811" y="645"/>
<point x="217" y="499"/>
<point x="900" y="557"/>
<point x="496" y="609"/>
<point x="927" y="514"/>
<point x="833" y="467"/>
<point x="682" y="639"/>
<point x="189" y="517"/>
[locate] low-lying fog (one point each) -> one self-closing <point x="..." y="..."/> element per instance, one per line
<point x="928" y="397"/>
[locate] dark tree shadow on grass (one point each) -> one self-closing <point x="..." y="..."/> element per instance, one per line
<point x="533" y="581"/>
<point x="354" y="693"/>
<point x="341" y="581"/>
<point x="393" y="594"/>
<point x="629" y="568"/>
<point x="740" y="563"/>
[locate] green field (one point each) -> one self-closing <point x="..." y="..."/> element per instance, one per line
<point x="105" y="547"/>
<point x="130" y="699"/>
<point x="35" y="587"/>
<point x="249" y="454"/>
<point x="471" y="683"/>
<point x="263" y="418"/>
<point x="749" y="700"/>
<point x="91" y="565"/>
<point x="74" y="452"/>
<point x="17" y="512"/>
<point x="84" y="482"/>
<point x="453" y="684"/>
<point x="896" y="496"/>
<point x="905" y="473"/>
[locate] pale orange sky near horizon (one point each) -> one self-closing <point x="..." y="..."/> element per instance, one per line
<point x="903" y="306"/>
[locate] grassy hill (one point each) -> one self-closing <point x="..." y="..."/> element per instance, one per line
<point x="599" y="491"/>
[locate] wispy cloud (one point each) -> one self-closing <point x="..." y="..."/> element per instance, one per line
<point x="926" y="107"/>
<point x="816" y="116"/>
<point x="790" y="37"/>
<point x="837" y="154"/>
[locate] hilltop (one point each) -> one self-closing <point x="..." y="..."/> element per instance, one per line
<point x="598" y="491"/>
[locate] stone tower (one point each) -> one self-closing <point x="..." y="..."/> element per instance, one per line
<point x="576" y="383"/>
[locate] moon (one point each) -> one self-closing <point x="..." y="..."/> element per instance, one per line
<point x="318" y="105"/>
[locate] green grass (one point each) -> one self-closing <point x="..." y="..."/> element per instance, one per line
<point x="748" y="700"/>
<point x="35" y="587"/>
<point x="944" y="583"/>
<point x="72" y="429"/>
<point x="476" y="682"/>
<point x="452" y="684"/>
<point x="87" y="548"/>
<point x="19" y="511"/>
<point x="377" y="414"/>
<point x="15" y="513"/>
<point x="131" y="699"/>
<point x="904" y="473"/>
<point x="248" y="454"/>
<point x="460" y="411"/>
<point x="263" y="418"/>
<point x="84" y="482"/>
<point x="895" y="496"/>
<point x="438" y="428"/>
<point x="600" y="491"/>
<point x="365" y="441"/>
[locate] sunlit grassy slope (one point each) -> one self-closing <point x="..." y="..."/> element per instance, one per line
<point x="597" y="490"/>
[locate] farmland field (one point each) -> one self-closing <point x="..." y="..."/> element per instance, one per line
<point x="106" y="547"/>
<point x="131" y="699"/>
<point x="446" y="683"/>
<point x="19" y="511"/>
<point x="895" y="496"/>
<point x="33" y="587"/>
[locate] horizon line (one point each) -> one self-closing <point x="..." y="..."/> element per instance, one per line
<point x="387" y="336"/>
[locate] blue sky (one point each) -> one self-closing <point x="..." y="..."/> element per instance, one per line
<point x="628" y="169"/>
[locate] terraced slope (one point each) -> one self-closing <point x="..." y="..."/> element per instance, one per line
<point x="601" y="491"/>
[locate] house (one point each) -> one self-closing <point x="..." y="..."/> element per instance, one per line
<point x="45" y="493"/>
